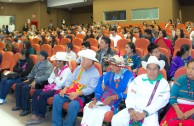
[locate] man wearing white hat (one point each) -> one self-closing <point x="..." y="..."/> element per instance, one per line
<point x="111" y="88"/>
<point x="56" y="81"/>
<point x="86" y="75"/>
<point x="146" y="95"/>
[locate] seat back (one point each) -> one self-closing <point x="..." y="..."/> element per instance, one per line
<point x="139" y="52"/>
<point x="143" y="71"/>
<point x="58" y="48"/>
<point x="2" y="45"/>
<point x="166" y="52"/>
<point x="143" y="44"/>
<point x="94" y="48"/>
<point x="98" y="67"/>
<point x="76" y="49"/>
<point x="21" y="46"/>
<point x="77" y="42"/>
<point x="121" y="45"/>
<point x="115" y="49"/>
<point x="64" y="41"/>
<point x="36" y="47"/>
<point x="80" y="36"/>
<point x="181" y="71"/>
<point x="72" y="65"/>
<point x="35" y="41"/>
<point x="6" y="60"/>
<point x="47" y="48"/>
<point x="16" y="57"/>
<point x="93" y="42"/>
<point x="34" y="58"/>
<point x="181" y="41"/>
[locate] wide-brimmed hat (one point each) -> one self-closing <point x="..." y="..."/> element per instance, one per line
<point x="89" y="54"/>
<point x="59" y="56"/>
<point x="117" y="60"/>
<point x="153" y="60"/>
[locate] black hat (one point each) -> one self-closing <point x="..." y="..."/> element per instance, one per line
<point x="43" y="53"/>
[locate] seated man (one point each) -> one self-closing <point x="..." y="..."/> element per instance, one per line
<point x="56" y="80"/>
<point x="146" y="95"/>
<point x="39" y="74"/>
<point x="86" y="76"/>
<point x="110" y="90"/>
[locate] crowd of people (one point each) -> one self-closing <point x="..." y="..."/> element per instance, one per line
<point x="145" y="95"/>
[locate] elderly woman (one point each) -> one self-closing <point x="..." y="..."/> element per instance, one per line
<point x="183" y="56"/>
<point x="56" y="80"/>
<point x="182" y="100"/>
<point x="147" y="93"/>
<point x="110" y="90"/>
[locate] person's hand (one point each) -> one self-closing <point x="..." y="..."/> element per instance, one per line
<point x="140" y="116"/>
<point x="132" y="115"/>
<point x="187" y="114"/>
<point x="62" y="92"/>
<point x="92" y="104"/>
<point x="56" y="71"/>
<point x="26" y="81"/>
<point x="33" y="84"/>
<point x="179" y="114"/>
<point x="108" y="100"/>
<point x="72" y="95"/>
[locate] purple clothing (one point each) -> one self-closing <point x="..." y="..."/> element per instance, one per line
<point x="176" y="63"/>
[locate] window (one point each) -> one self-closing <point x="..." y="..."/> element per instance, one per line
<point x="114" y="15"/>
<point x="145" y="14"/>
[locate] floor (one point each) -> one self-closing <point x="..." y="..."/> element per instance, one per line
<point x="10" y="118"/>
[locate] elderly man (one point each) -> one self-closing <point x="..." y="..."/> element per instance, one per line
<point x="85" y="75"/>
<point x="38" y="75"/>
<point x="110" y="90"/>
<point x="146" y="95"/>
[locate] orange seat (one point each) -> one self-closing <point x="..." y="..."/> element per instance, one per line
<point x="121" y="35"/>
<point x="80" y="36"/>
<point x="179" y="42"/>
<point x="57" y="41"/>
<point x="139" y="52"/>
<point x="94" y="48"/>
<point x="35" y="41"/>
<point x="58" y="48"/>
<point x="73" y="36"/>
<point x="115" y="49"/>
<point x="21" y="46"/>
<point x="36" y="47"/>
<point x="143" y="71"/>
<point x="76" y="49"/>
<point x="166" y="52"/>
<point x="143" y="44"/>
<point x="180" y="26"/>
<point x="161" y="43"/>
<point x="121" y="45"/>
<point x="16" y="57"/>
<point x="2" y="45"/>
<point x="34" y="58"/>
<point x="179" y="72"/>
<point x="93" y="42"/>
<point x="64" y="41"/>
<point x="77" y="42"/>
<point x="47" y="48"/>
<point x="6" y="60"/>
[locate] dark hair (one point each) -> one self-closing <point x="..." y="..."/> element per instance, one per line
<point x="192" y="60"/>
<point x="151" y="47"/>
<point x="86" y="44"/>
<point x="25" y="52"/>
<point x="164" y="33"/>
<point x="159" y="28"/>
<point x="64" y="62"/>
<point x="184" y="48"/>
<point x="182" y="33"/>
<point x="152" y="26"/>
<point x="27" y="45"/>
<point x="114" y="29"/>
<point x="170" y="21"/>
<point x="132" y="46"/>
<point x="15" y="39"/>
<point x="148" y="31"/>
<point x="106" y="40"/>
<point x="69" y="45"/>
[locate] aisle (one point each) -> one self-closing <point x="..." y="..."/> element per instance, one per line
<point x="10" y="118"/>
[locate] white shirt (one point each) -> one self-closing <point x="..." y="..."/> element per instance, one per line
<point x="61" y="79"/>
<point x="11" y="28"/>
<point x="192" y="34"/>
<point x="139" y="93"/>
<point x="71" y="56"/>
<point x="115" y="39"/>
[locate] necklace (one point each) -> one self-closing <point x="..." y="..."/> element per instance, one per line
<point x="117" y="83"/>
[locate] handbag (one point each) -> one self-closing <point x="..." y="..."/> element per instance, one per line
<point x="12" y="75"/>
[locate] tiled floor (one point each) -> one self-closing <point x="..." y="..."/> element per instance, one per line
<point x="10" y="118"/>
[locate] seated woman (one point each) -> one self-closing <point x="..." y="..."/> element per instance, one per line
<point x="56" y="80"/>
<point x="162" y="35"/>
<point x="182" y="58"/>
<point x="111" y="88"/>
<point x="27" y="45"/>
<point x="89" y="34"/>
<point x="131" y="58"/>
<point x="23" y="68"/>
<point x="182" y="100"/>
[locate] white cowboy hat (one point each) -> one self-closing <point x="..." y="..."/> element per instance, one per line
<point x="154" y="60"/>
<point x="89" y="54"/>
<point x="117" y="60"/>
<point x="59" y="56"/>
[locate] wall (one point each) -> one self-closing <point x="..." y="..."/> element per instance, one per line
<point x="165" y="8"/>
<point x="187" y="13"/>
<point x="81" y="18"/>
<point x="176" y="10"/>
<point x="24" y="11"/>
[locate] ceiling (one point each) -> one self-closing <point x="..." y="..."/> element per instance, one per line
<point x="18" y="1"/>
